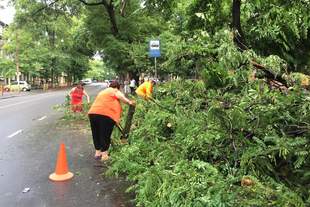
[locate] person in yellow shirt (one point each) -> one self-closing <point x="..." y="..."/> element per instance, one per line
<point x="145" y="89"/>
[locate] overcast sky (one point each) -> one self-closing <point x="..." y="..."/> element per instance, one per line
<point x="6" y="14"/>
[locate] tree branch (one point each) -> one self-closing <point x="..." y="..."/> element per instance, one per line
<point x="269" y="74"/>
<point x="109" y="7"/>
<point x="122" y="9"/>
<point x="46" y="6"/>
<point x="92" y="4"/>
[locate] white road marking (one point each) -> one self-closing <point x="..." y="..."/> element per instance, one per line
<point x="43" y="117"/>
<point x="15" y="133"/>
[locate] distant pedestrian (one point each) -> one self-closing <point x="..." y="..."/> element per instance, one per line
<point x="76" y="96"/>
<point x="127" y="89"/>
<point x="132" y="85"/>
<point x="104" y="113"/>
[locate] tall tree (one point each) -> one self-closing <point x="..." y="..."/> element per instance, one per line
<point x="236" y="25"/>
<point x="47" y="39"/>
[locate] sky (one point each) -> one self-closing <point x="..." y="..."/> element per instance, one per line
<point x="6" y="14"/>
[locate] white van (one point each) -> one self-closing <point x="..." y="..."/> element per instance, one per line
<point x="23" y="86"/>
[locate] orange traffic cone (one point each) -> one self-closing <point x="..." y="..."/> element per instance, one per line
<point x="62" y="171"/>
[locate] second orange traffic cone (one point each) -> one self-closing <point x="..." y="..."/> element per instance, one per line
<point x="62" y="171"/>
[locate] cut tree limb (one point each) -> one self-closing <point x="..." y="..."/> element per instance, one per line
<point x="128" y="122"/>
<point x="125" y="131"/>
<point x="269" y="74"/>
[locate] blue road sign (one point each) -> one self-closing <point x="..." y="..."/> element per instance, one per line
<point x="154" y="48"/>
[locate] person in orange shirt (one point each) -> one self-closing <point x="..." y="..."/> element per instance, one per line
<point x="76" y="96"/>
<point x="104" y="113"/>
<point x="145" y="89"/>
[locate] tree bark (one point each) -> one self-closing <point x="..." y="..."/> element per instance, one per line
<point x="109" y="7"/>
<point x="111" y="12"/>
<point x="52" y="41"/>
<point x="236" y="25"/>
<point x="17" y="58"/>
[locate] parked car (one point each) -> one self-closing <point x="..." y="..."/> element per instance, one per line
<point x="23" y="86"/>
<point x="87" y="81"/>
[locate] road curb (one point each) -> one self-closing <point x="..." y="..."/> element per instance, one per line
<point x="7" y="97"/>
<point x="12" y="95"/>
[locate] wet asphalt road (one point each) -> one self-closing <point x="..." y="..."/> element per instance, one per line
<point x="30" y="134"/>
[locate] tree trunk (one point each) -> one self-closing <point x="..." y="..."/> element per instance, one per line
<point x="109" y="6"/>
<point x="52" y="40"/>
<point x="111" y="13"/>
<point x="236" y="25"/>
<point x="17" y="59"/>
<point x="134" y="75"/>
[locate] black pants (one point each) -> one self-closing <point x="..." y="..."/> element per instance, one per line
<point x="132" y="90"/>
<point x="101" y="127"/>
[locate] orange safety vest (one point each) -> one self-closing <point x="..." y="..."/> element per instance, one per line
<point x="107" y="104"/>
<point x="77" y="96"/>
<point x="145" y="89"/>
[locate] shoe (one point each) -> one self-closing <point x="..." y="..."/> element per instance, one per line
<point x="104" y="157"/>
<point x="124" y="141"/>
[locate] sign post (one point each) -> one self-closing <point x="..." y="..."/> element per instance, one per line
<point x="154" y="51"/>
<point x="155" y="68"/>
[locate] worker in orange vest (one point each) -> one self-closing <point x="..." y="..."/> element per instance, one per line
<point x="76" y="96"/>
<point x="145" y="89"/>
<point x="104" y="113"/>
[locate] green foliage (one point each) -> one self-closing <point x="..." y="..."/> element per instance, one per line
<point x="99" y="71"/>
<point x="128" y="50"/>
<point x="201" y="155"/>
<point x="7" y="67"/>
<point x="69" y="115"/>
<point x="46" y="42"/>
<point x="284" y="25"/>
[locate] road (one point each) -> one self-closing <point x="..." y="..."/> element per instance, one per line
<point x="22" y="112"/>
<point x="30" y="135"/>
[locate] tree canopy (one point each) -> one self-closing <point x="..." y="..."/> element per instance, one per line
<point x="60" y="36"/>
